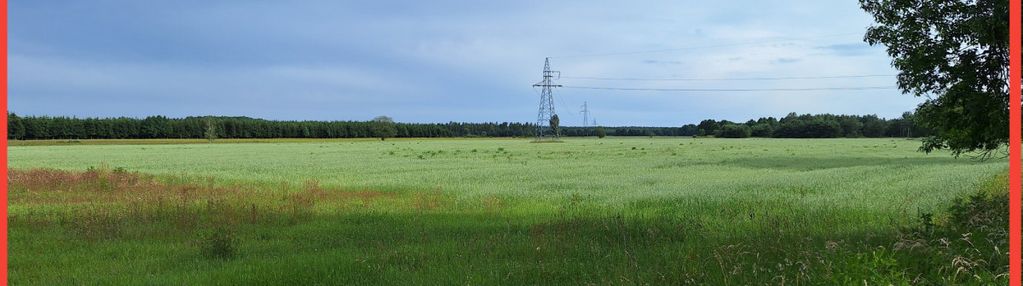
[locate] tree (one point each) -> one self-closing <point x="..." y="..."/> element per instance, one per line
<point x="761" y="130"/>
<point x="689" y="130"/>
<point x="734" y="131"/>
<point x="790" y="127"/>
<point x="707" y="127"/>
<point x="957" y="51"/>
<point x="383" y="127"/>
<point x="808" y="126"/>
<point x="155" y="127"/>
<point x="15" y="127"/>
<point x="915" y="129"/>
<point x="873" y="126"/>
<point x="820" y="128"/>
<point x="600" y="132"/>
<point x="211" y="130"/>
<point x="46" y="127"/>
<point x="555" y="122"/>
<point x="851" y="127"/>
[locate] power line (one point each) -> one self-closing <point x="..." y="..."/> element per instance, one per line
<point x="564" y="107"/>
<point x="731" y="79"/>
<point x="560" y="101"/>
<point x="776" y="40"/>
<point x="735" y="90"/>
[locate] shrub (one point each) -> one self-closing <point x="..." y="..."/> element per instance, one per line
<point x="219" y="243"/>
<point x="964" y="245"/>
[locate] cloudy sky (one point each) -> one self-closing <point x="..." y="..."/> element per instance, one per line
<point x="440" y="61"/>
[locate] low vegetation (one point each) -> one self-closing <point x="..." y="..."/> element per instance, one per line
<point x="609" y="211"/>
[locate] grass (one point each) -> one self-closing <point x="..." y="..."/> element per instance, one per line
<point x="164" y="141"/>
<point x="496" y="211"/>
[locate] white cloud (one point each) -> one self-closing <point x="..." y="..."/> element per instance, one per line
<point x="440" y="60"/>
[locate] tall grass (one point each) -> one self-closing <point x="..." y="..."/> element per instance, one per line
<point x="611" y="211"/>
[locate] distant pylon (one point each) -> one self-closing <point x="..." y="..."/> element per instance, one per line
<point x="544" y="130"/>
<point x="586" y="114"/>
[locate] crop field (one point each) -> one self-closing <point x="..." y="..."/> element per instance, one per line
<point x="489" y="211"/>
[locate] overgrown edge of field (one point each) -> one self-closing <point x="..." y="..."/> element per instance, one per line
<point x="966" y="243"/>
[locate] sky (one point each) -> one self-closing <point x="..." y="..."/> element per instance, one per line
<point x="442" y="60"/>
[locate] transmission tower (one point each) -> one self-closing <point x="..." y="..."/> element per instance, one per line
<point x="544" y="130"/>
<point x="586" y="114"/>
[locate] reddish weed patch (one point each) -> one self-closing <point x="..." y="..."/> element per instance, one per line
<point x="100" y="203"/>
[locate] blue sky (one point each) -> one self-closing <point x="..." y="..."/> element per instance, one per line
<point x="440" y="61"/>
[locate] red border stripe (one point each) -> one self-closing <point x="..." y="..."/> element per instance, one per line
<point x="1014" y="142"/>
<point x="3" y="145"/>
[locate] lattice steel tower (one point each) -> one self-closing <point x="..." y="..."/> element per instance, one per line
<point x="544" y="130"/>
<point x="586" y="114"/>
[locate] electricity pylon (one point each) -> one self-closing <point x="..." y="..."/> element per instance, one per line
<point x="586" y="114"/>
<point x="544" y="128"/>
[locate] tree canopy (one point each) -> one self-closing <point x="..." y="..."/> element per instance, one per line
<point x="734" y="131"/>
<point x="793" y="125"/>
<point x="956" y="53"/>
<point x="384" y="127"/>
<point x="555" y="124"/>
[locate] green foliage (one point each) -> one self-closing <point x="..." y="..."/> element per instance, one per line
<point x="155" y="127"/>
<point x="734" y="131"/>
<point x="966" y="245"/>
<point x="555" y="124"/>
<point x="383" y="127"/>
<point x="808" y="129"/>
<point x="15" y="127"/>
<point x="601" y="133"/>
<point x="43" y="127"/>
<point x="688" y="130"/>
<point x="762" y="130"/>
<point x="851" y="128"/>
<point x="873" y="126"/>
<point x="955" y="53"/>
<point x="219" y="242"/>
<point x="819" y="126"/>
<point x="707" y="127"/>
<point x="211" y="130"/>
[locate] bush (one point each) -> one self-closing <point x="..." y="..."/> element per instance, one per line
<point x="734" y="131"/>
<point x="218" y="243"/>
<point x="964" y="245"/>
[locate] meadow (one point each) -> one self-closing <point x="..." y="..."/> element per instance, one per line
<point x="658" y="210"/>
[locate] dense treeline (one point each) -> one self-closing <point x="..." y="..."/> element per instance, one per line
<point x="45" y="127"/>
<point x="791" y="126"/>
<point x="815" y="126"/>
<point x="626" y="131"/>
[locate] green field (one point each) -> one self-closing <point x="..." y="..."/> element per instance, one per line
<point x="485" y="211"/>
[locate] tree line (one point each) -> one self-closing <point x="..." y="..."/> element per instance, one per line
<point x="153" y="127"/>
<point x="815" y="126"/>
<point x="56" y="127"/>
